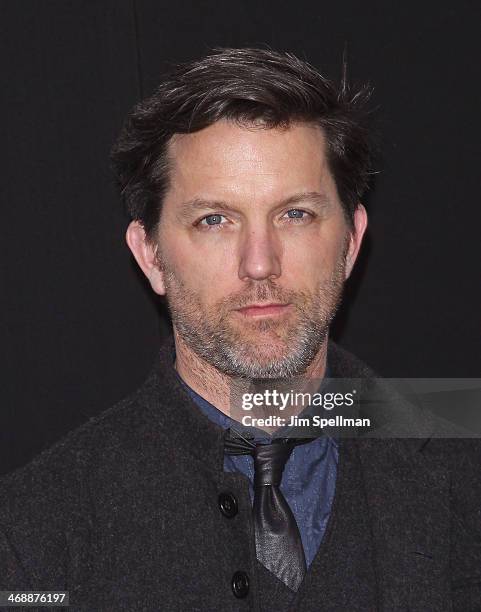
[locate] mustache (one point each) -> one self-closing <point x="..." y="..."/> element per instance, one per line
<point x="268" y="291"/>
<point x="262" y="293"/>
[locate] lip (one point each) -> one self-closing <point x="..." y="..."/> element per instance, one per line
<point x="263" y="310"/>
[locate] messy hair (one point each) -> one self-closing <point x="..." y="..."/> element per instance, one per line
<point x="247" y="86"/>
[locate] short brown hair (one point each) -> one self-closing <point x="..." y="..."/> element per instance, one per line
<point x="248" y="86"/>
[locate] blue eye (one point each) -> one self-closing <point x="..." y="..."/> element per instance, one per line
<point x="212" y="220"/>
<point x="296" y="213"/>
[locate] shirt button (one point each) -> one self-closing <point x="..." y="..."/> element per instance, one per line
<point x="240" y="584"/>
<point x="228" y="505"/>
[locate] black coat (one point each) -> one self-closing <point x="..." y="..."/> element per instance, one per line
<point x="124" y="513"/>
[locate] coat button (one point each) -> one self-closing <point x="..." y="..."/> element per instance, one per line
<point x="240" y="584"/>
<point x="228" y="505"/>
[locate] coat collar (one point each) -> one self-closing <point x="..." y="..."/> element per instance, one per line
<point x="407" y="427"/>
<point x="179" y="417"/>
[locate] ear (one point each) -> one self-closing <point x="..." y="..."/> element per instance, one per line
<point x="145" y="255"/>
<point x="355" y="240"/>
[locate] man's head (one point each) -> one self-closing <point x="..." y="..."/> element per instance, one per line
<point x="242" y="174"/>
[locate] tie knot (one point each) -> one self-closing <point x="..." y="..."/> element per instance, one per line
<point x="269" y="462"/>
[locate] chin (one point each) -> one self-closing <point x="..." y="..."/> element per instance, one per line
<point x="260" y="355"/>
<point x="264" y="331"/>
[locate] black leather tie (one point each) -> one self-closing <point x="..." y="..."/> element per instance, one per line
<point x="278" y="541"/>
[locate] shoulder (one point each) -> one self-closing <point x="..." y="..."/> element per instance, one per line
<point x="438" y="465"/>
<point x="48" y="507"/>
<point x="56" y="475"/>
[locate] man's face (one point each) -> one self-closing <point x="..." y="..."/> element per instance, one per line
<point x="252" y="246"/>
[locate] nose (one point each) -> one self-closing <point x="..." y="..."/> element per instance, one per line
<point x="260" y="253"/>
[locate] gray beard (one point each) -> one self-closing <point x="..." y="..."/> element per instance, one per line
<point x="212" y="338"/>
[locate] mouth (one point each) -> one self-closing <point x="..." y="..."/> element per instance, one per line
<point x="264" y="310"/>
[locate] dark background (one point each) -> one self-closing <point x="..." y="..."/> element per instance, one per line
<point x="79" y="327"/>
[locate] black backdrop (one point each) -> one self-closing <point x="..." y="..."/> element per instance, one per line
<point x="79" y="327"/>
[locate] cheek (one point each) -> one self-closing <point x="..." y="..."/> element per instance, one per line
<point x="210" y="271"/>
<point x="312" y="258"/>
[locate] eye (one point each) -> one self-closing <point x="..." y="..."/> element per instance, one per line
<point x="298" y="214"/>
<point x="211" y="220"/>
<point x="295" y="213"/>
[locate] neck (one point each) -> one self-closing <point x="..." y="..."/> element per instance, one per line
<point x="213" y="385"/>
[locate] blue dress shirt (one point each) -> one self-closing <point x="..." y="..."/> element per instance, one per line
<point x="308" y="482"/>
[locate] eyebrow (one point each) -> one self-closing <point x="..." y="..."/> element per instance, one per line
<point x="316" y="199"/>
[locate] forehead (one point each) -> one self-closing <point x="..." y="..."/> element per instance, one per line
<point x="231" y="161"/>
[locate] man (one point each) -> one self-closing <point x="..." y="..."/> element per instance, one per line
<point x="243" y="175"/>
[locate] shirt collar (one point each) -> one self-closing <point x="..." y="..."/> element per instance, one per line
<point x="219" y="418"/>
